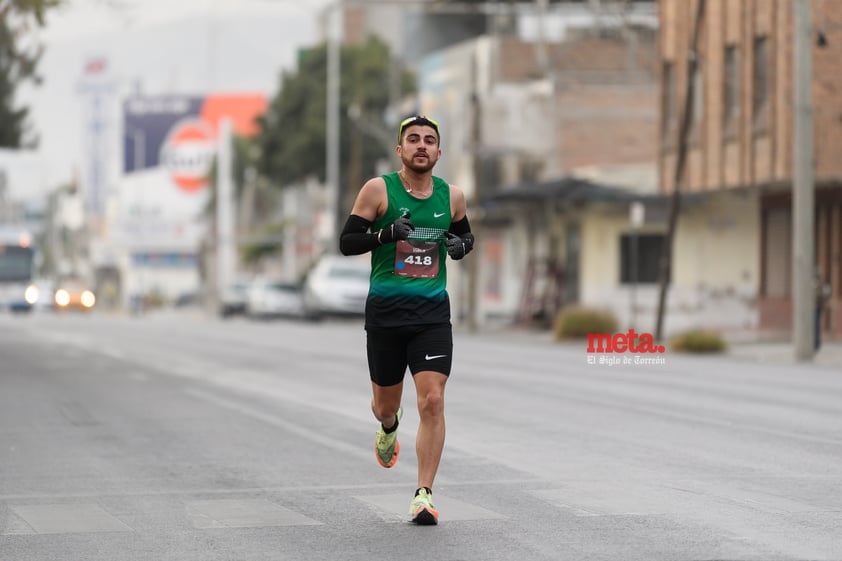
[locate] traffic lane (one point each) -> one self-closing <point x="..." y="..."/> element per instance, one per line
<point x="781" y="418"/>
<point x="687" y="441"/>
<point x="109" y="425"/>
<point x="320" y="366"/>
<point x="153" y="463"/>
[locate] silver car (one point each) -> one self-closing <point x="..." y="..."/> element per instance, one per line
<point x="337" y="286"/>
<point x="233" y="298"/>
<point x="272" y="298"/>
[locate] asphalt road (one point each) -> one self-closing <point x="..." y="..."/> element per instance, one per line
<point x="175" y="437"/>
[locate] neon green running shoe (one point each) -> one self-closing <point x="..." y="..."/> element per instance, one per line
<point x="422" y="511"/>
<point x="386" y="446"/>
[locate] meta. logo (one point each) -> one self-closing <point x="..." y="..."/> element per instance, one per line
<point x="188" y="153"/>
<point x="611" y="349"/>
<point x="623" y="342"/>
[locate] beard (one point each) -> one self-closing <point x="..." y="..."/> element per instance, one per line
<point x="419" y="167"/>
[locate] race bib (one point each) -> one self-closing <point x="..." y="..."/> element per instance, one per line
<point x="417" y="258"/>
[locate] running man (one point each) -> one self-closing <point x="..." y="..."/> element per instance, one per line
<point x="410" y="221"/>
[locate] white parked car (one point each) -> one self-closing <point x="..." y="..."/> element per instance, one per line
<point x="338" y="286"/>
<point x="233" y="298"/>
<point x="272" y="298"/>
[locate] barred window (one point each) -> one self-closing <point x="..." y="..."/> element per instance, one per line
<point x="640" y="266"/>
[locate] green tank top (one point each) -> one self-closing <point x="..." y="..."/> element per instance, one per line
<point x="409" y="278"/>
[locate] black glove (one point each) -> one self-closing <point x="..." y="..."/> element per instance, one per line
<point x="458" y="247"/>
<point x="397" y="230"/>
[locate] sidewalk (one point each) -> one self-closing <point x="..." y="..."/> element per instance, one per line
<point x="777" y="347"/>
<point x="783" y="352"/>
<point x="765" y="347"/>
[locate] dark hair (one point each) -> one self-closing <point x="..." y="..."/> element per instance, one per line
<point x="418" y="120"/>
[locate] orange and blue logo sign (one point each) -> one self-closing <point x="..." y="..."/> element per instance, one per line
<point x="179" y="133"/>
<point x="188" y="153"/>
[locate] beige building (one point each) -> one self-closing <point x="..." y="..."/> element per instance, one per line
<point x="741" y="133"/>
<point x="576" y="242"/>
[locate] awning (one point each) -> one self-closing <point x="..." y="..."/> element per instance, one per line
<point x="567" y="189"/>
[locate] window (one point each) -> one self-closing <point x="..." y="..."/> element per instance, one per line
<point x="698" y="94"/>
<point x="777" y="253"/>
<point x="645" y="266"/>
<point x="731" y="99"/>
<point x="760" y="79"/>
<point x="15" y="263"/>
<point x="698" y="102"/>
<point x="668" y="109"/>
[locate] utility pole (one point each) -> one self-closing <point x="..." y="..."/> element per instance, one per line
<point x="476" y="141"/>
<point x="226" y="253"/>
<point x="334" y="38"/>
<point x="665" y="267"/>
<point x="803" y="242"/>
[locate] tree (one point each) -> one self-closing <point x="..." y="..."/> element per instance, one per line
<point x="665" y="262"/>
<point x="18" y="62"/>
<point x="292" y="138"/>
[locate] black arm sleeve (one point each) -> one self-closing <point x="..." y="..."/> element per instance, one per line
<point x="355" y="238"/>
<point x="462" y="228"/>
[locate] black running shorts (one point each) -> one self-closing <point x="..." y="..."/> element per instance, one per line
<point x="421" y="347"/>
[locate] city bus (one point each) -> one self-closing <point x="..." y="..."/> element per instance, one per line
<point x="18" y="292"/>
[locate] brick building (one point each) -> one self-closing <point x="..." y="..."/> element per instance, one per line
<point x="607" y="99"/>
<point x="741" y="130"/>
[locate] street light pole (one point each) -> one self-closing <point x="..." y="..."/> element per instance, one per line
<point x="139" y="164"/>
<point x="226" y="253"/>
<point x="803" y="242"/>
<point x="474" y="311"/>
<point x="332" y="207"/>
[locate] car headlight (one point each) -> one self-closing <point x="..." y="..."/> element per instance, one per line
<point x="31" y="294"/>
<point x="88" y="299"/>
<point x="62" y="297"/>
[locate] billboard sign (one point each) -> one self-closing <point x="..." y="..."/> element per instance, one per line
<point x="169" y="145"/>
<point x="179" y="132"/>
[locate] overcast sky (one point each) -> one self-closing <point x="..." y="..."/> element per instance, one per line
<point x="160" y="46"/>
